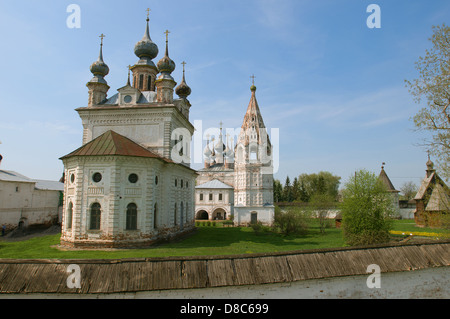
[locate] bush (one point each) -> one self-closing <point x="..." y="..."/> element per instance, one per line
<point x="366" y="210"/>
<point x="290" y="222"/>
<point x="259" y="228"/>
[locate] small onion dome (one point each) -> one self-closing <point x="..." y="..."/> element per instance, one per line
<point x="207" y="151"/>
<point x="220" y="146"/>
<point x="99" y="67"/>
<point x="166" y="64"/>
<point x="253" y="88"/>
<point x="146" y="47"/>
<point x="183" y="90"/>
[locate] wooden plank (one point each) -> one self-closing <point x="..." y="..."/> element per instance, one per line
<point x="194" y="274"/>
<point x="166" y="275"/>
<point x="273" y="269"/>
<point x="221" y="273"/>
<point x="245" y="271"/>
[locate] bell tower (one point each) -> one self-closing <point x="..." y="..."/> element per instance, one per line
<point x="253" y="192"/>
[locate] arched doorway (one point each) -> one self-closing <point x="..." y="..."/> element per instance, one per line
<point x="202" y="215"/>
<point x="219" y="214"/>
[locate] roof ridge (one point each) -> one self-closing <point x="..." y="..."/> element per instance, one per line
<point x="113" y="143"/>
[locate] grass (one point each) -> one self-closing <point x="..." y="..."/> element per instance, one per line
<point x="205" y="241"/>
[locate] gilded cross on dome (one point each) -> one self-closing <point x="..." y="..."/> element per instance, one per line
<point x="253" y="79"/>
<point x="148" y="12"/>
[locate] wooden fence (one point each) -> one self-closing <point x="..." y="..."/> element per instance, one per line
<point x="147" y="274"/>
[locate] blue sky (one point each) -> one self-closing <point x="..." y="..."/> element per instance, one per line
<point x="333" y="87"/>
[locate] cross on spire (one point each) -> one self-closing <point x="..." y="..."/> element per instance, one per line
<point x="101" y="37"/>
<point x="253" y="79"/>
<point x="148" y="12"/>
<point x="167" y="35"/>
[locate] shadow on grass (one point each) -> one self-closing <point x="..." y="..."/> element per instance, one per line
<point x="225" y="237"/>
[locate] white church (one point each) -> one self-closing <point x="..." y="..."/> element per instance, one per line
<point x="237" y="182"/>
<point x="130" y="183"/>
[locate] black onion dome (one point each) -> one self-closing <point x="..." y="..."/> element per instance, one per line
<point x="183" y="90"/>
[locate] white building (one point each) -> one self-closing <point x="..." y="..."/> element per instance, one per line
<point x="130" y="183"/>
<point x="214" y="200"/>
<point x="246" y="169"/>
<point x="25" y="202"/>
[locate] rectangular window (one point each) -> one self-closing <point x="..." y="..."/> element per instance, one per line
<point x="210" y="196"/>
<point x="220" y="196"/>
<point x="201" y="196"/>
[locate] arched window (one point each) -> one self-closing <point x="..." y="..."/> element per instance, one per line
<point x="131" y="217"/>
<point x="141" y="81"/>
<point x="149" y="83"/>
<point x="69" y="216"/>
<point x="95" y="216"/>
<point x="175" y="215"/>
<point x="182" y="213"/>
<point x="155" y="216"/>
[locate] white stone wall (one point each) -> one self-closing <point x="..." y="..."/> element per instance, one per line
<point x="243" y="215"/>
<point x="20" y="201"/>
<point x="151" y="127"/>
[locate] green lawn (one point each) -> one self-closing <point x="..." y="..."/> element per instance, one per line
<point x="205" y="241"/>
<point x="409" y="225"/>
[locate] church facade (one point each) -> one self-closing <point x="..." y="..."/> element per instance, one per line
<point x="130" y="183"/>
<point x="236" y="183"/>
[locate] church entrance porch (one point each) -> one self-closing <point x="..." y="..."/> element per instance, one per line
<point x="219" y="214"/>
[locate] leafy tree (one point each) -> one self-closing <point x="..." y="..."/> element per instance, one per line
<point x="321" y="183"/>
<point x="409" y="190"/>
<point x="366" y="210"/>
<point x="433" y="84"/>
<point x="290" y="222"/>
<point x="320" y="204"/>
